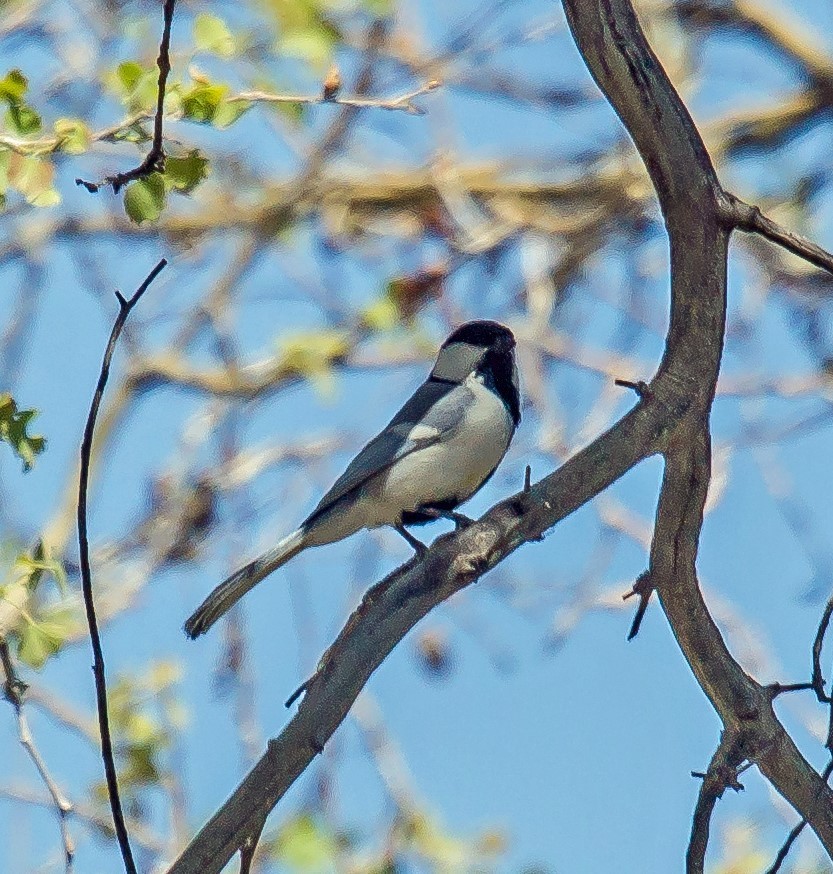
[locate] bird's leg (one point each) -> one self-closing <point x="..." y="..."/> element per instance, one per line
<point x="459" y="520"/>
<point x="417" y="545"/>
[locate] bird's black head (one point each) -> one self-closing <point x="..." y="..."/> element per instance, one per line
<point x="489" y="335"/>
<point x="485" y="348"/>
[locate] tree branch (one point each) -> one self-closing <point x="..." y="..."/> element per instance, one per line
<point x="795" y="831"/>
<point x="722" y="774"/>
<point x="393" y="606"/>
<point x="154" y="161"/>
<point x="614" y="47"/>
<point x="125" y="306"/>
<point x="671" y="417"/>
<point x="402" y="103"/>
<point x="14" y="689"/>
<point x="746" y="217"/>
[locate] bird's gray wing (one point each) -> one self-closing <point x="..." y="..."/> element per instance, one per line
<point x="433" y="411"/>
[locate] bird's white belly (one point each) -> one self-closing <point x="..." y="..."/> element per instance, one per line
<point x="455" y="466"/>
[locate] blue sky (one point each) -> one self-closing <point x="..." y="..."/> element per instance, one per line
<point x="581" y="753"/>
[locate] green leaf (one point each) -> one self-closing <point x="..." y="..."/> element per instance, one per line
<point x="302" y="845"/>
<point x="39" y="639"/>
<point x="135" y="84"/>
<point x="211" y="34"/>
<point x="309" y="351"/>
<point x="229" y="111"/>
<point x="202" y="101"/>
<point x="315" y="45"/>
<point x="13" y="86"/>
<point x="184" y="173"/>
<point x="13" y="430"/>
<point x="22" y="119"/>
<point x="312" y="356"/>
<point x="295" y="112"/>
<point x="32" y="176"/>
<point x="31" y="568"/>
<point x="128" y="74"/>
<point x="73" y="134"/>
<point x="141" y="730"/>
<point x="382" y="315"/>
<point x="162" y="675"/>
<point x="140" y="765"/>
<point x="144" y="199"/>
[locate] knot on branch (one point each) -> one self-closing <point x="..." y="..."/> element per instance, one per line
<point x="720" y="777"/>
<point x="722" y="774"/>
<point x="643" y="587"/>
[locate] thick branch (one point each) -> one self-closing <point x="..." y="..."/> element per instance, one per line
<point x="671" y="417"/>
<point x="611" y="41"/>
<point x="392" y="607"/>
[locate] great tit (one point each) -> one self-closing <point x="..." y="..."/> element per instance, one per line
<point x="435" y="453"/>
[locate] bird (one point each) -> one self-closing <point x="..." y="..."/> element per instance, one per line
<point x="436" y="452"/>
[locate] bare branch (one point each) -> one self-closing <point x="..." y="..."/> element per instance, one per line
<point x="154" y="161"/>
<point x="746" y="217"/>
<point x="125" y="306"/>
<point x="14" y="689"/>
<point x="818" y="642"/>
<point x="614" y="47"/>
<point x="644" y="588"/>
<point x="671" y="418"/>
<point x="722" y="774"/>
<point x="795" y="831"/>
<point x="402" y="103"/>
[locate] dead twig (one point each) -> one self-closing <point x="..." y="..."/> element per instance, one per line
<point x="125" y="307"/>
<point x="154" y="161"/>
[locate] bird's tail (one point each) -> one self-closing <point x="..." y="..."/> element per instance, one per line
<point x="230" y="591"/>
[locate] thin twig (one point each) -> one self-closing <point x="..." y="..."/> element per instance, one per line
<point x="776" y="689"/>
<point x="14" y="689"/>
<point x="640" y="387"/>
<point x="402" y="103"/>
<point x="795" y="831"/>
<point x="247" y="851"/>
<point x="644" y="588"/>
<point x="746" y="217"/>
<point x="91" y="814"/>
<point x="46" y="145"/>
<point x="125" y="306"/>
<point x="155" y="159"/>
<point x="818" y="676"/>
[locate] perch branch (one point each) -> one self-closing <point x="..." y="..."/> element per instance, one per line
<point x="671" y="418"/>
